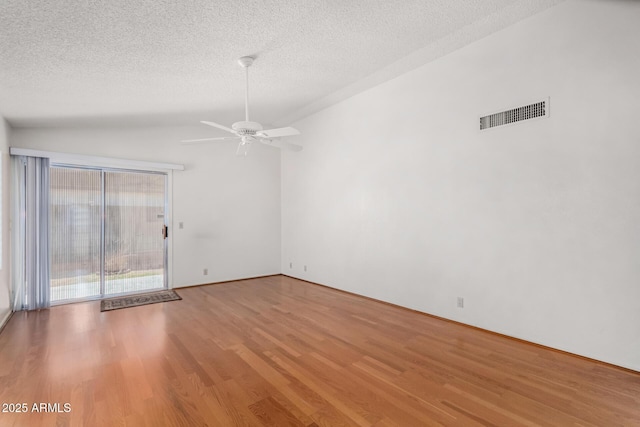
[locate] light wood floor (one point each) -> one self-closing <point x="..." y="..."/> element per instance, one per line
<point x="282" y="352"/>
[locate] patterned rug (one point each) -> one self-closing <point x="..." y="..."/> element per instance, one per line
<point x="136" y="300"/>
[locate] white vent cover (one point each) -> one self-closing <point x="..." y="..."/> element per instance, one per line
<point x="518" y="114"/>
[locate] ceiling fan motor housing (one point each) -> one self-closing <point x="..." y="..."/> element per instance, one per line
<point x="246" y="128"/>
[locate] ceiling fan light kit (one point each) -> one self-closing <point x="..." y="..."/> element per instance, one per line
<point x="247" y="131"/>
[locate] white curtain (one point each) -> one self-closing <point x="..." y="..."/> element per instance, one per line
<point x="31" y="266"/>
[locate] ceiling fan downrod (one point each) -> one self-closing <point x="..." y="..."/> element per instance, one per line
<point x="245" y="62"/>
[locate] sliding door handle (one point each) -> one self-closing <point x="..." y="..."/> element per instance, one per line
<point x="165" y="232"/>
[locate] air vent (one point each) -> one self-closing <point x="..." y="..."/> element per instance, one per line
<point x="527" y="112"/>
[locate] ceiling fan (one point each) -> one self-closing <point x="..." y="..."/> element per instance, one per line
<point x="247" y="131"/>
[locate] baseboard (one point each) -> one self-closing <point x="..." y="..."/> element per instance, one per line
<point x="4" y="321"/>
<point x="226" y="281"/>
<point x="600" y="362"/>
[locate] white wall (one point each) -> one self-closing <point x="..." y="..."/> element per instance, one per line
<point x="230" y="206"/>
<point x="398" y="196"/>
<point x="5" y="200"/>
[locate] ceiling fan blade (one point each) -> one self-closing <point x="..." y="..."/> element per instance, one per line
<point x="216" y="125"/>
<point x="204" y="140"/>
<point x="281" y="144"/>
<point x="276" y="133"/>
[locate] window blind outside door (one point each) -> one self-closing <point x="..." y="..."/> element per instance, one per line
<point x="75" y="201"/>
<point x="106" y="232"/>
<point x="134" y="244"/>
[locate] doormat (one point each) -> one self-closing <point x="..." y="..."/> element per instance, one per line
<point x="136" y="300"/>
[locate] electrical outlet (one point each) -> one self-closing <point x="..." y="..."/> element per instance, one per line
<point x="290" y="265"/>
<point x="460" y="302"/>
<point x="181" y="225"/>
<point x="205" y="271"/>
<point x="305" y="268"/>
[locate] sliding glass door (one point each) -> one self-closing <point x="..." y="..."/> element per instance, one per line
<point x="107" y="232"/>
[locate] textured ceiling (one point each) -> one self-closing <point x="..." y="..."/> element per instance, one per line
<point x="153" y="61"/>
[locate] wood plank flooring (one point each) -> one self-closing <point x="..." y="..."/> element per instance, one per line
<point x="277" y="351"/>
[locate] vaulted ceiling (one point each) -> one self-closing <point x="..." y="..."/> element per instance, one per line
<point x="169" y="61"/>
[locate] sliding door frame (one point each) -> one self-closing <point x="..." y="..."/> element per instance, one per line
<point x="166" y="255"/>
